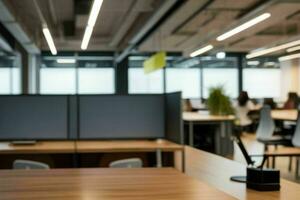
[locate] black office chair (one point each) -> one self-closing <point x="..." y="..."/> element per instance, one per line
<point x="266" y="129"/>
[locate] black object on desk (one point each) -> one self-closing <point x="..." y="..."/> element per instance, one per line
<point x="263" y="179"/>
<point x="257" y="178"/>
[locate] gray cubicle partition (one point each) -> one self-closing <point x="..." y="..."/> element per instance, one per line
<point x="61" y="117"/>
<point x="33" y="117"/>
<point x="173" y="116"/>
<point x="121" y="117"/>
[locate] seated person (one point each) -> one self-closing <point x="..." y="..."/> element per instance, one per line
<point x="270" y="102"/>
<point x="188" y="107"/>
<point x="242" y="107"/>
<point x="292" y="101"/>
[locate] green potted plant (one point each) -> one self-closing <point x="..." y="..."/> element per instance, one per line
<point x="218" y="103"/>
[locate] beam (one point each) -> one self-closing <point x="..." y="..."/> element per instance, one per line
<point x="153" y="23"/>
<point x="132" y="15"/>
<point x="13" y="26"/>
<point x="201" y="37"/>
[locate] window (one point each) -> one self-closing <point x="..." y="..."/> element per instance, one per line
<point x="226" y="77"/>
<point x="185" y="80"/>
<point x="260" y="83"/>
<point x="90" y="74"/>
<point x="58" y="81"/>
<point x="5" y="83"/>
<point x="96" y="81"/>
<point x="10" y="80"/>
<point x="139" y="82"/>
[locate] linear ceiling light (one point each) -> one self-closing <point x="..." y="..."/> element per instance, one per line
<point x="244" y="26"/>
<point x="202" y="50"/>
<point x="49" y="40"/>
<point x="272" y="49"/>
<point x="293" y="49"/>
<point x="253" y="62"/>
<point x="289" y="57"/>
<point x="91" y="23"/>
<point x="66" y="61"/>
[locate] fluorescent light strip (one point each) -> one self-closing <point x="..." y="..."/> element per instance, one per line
<point x="253" y="62"/>
<point x="289" y="57"/>
<point x="269" y="63"/>
<point x="66" y="61"/>
<point x="202" y="50"/>
<point x="273" y="49"/>
<point x="221" y="55"/>
<point x="49" y="40"/>
<point x="95" y="12"/>
<point x="244" y="26"/>
<point x="86" y="38"/>
<point x="293" y="49"/>
<point x="91" y="23"/>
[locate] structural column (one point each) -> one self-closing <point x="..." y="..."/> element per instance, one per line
<point x="121" y="76"/>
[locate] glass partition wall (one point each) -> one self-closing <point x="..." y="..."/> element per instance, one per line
<point x="141" y="83"/>
<point x="262" y="78"/>
<point x="71" y="73"/>
<point x="10" y="74"/>
<point x="192" y="76"/>
<point x="220" y="73"/>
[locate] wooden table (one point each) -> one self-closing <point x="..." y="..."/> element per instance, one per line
<point x="224" y="122"/>
<point x="195" y="117"/>
<point x="41" y="147"/>
<point x="285" y="115"/>
<point x="157" y="146"/>
<point x="104" y="184"/>
<point x="99" y="146"/>
<point x="216" y="171"/>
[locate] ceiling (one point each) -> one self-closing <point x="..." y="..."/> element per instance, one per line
<point x="67" y="19"/>
<point x="194" y="24"/>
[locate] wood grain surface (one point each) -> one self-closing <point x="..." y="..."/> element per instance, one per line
<point x="104" y="184"/>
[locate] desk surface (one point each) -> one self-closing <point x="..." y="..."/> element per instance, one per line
<point x="216" y="171"/>
<point x="104" y="184"/>
<point x="126" y="146"/>
<point x="89" y="146"/>
<point x="286" y="115"/>
<point x="195" y="116"/>
<point x="283" y="151"/>
<point x="39" y="147"/>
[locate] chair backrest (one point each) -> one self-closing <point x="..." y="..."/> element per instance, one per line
<point x="266" y="126"/>
<point x="27" y="164"/>
<point x="127" y="163"/>
<point x="296" y="136"/>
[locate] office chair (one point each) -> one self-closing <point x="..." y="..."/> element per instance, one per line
<point x="27" y="164"/>
<point x="296" y="136"/>
<point x="296" y="143"/>
<point x="127" y="163"/>
<point x="266" y="128"/>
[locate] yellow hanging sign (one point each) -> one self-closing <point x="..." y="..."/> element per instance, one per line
<point x="155" y="62"/>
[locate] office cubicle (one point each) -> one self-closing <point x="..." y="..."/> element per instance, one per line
<point x="91" y="117"/>
<point x="34" y="117"/>
<point x="119" y="117"/>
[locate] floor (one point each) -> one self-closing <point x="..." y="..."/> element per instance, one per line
<point x="254" y="147"/>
